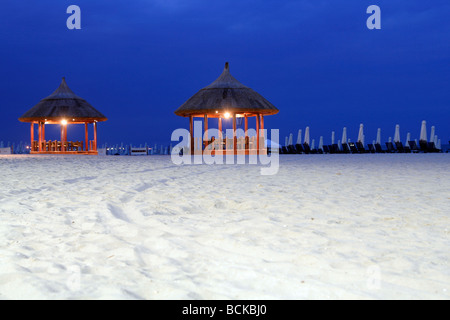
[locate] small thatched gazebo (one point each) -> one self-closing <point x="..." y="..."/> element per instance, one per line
<point x="227" y="98"/>
<point x="63" y="107"/>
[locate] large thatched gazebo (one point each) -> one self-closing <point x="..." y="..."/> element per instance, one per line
<point x="63" y="107"/>
<point x="227" y="98"/>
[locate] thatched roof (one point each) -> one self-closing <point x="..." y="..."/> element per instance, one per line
<point x="63" y="104"/>
<point x="226" y="94"/>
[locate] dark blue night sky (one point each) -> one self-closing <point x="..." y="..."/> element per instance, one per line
<point x="316" y="61"/>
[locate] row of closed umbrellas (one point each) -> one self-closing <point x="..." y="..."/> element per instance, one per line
<point x="361" y="137"/>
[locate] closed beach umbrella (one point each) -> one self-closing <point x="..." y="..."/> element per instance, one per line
<point x="286" y="141"/>
<point x="307" y="136"/>
<point x="332" y="137"/>
<point x="408" y="138"/>
<point x="339" y="145"/>
<point x="397" y="133"/>
<point x="344" y="135"/>
<point x="290" y="139"/>
<point x="379" y="136"/>
<point x="321" y="143"/>
<point x="361" y="134"/>
<point x="438" y="144"/>
<point x="313" y="144"/>
<point x="423" y="131"/>
<point x="432" y="134"/>
<point x="299" y="137"/>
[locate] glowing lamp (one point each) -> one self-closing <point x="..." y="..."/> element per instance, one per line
<point x="227" y="115"/>
<point x="63" y="122"/>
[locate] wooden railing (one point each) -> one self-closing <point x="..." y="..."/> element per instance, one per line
<point x="226" y="145"/>
<point x="58" y="146"/>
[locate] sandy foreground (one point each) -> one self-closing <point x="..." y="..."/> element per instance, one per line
<point x="324" y="227"/>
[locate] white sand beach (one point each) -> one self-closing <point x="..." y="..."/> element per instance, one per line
<point x="325" y="227"/>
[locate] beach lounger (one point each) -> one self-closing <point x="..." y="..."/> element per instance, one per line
<point x="399" y="147"/>
<point x="345" y="148"/>
<point x="352" y="147"/>
<point x="413" y="146"/>
<point x="360" y="147"/>
<point x="423" y="146"/>
<point x="334" y="148"/>
<point x="306" y="148"/>
<point x="432" y="147"/>
<point x="291" y="149"/>
<point x="299" y="148"/>
<point x="378" y="148"/>
<point x="407" y="148"/>
<point x="427" y="146"/>
<point x="326" y="149"/>
<point x="390" y="147"/>
<point x="371" y="148"/>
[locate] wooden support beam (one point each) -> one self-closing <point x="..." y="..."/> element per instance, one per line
<point x="191" y="131"/>
<point x="206" y="131"/>
<point x="262" y="129"/>
<point x="257" y="134"/>
<point x="64" y="141"/>
<point x="221" y="137"/>
<point x="234" y="133"/>
<point x="86" y="137"/>
<point x="40" y="136"/>
<point x="95" y="136"/>
<point x="43" y="131"/>
<point x="62" y="137"/>
<point x="32" y="136"/>
<point x="247" y="145"/>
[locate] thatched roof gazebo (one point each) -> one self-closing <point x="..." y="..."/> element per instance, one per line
<point x="63" y="107"/>
<point x="227" y="98"/>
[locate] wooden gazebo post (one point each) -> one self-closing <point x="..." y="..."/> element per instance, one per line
<point x="63" y="135"/>
<point x="191" y="132"/>
<point x="95" y="136"/>
<point x="234" y="133"/>
<point x="257" y="133"/>
<point x="205" y="143"/>
<point x="32" y="135"/>
<point x="247" y="143"/>
<point x="43" y="135"/>
<point x="262" y="128"/>
<point x="86" y="137"/>
<point x="221" y="137"/>
<point x="40" y="136"/>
